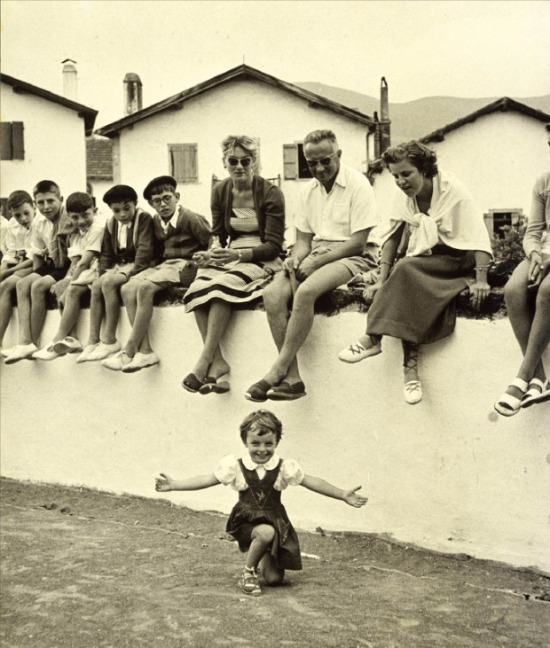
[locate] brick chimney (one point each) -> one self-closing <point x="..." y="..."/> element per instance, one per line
<point x="69" y="79"/>
<point x="132" y="93"/>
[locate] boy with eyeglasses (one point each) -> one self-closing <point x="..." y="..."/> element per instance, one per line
<point x="336" y="215"/>
<point x="179" y="233"/>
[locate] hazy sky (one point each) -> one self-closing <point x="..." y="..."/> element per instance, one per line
<point x="467" y="49"/>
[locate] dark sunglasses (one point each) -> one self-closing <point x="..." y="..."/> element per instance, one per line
<point x="245" y="161"/>
<point x="324" y="161"/>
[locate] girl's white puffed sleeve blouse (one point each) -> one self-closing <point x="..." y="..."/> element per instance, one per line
<point x="229" y="473"/>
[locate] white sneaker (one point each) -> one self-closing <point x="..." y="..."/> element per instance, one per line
<point x="67" y="345"/>
<point x="141" y="361"/>
<point x="6" y="352"/>
<point x="104" y="350"/>
<point x="413" y="392"/>
<point x="117" y="361"/>
<point x="20" y="352"/>
<point x="46" y="353"/>
<point x="87" y="352"/>
<point x="356" y="352"/>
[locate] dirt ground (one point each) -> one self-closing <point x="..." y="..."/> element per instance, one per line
<point x="84" y="569"/>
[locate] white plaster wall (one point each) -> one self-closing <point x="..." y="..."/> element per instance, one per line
<point x="447" y="474"/>
<point x="236" y="107"/>
<point x="55" y="146"/>
<point x="498" y="157"/>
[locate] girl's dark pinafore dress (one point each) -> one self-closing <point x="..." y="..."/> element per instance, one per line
<point x="260" y="503"/>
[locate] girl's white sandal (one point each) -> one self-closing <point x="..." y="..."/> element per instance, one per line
<point x="508" y="405"/>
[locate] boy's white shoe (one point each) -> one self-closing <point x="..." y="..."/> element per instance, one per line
<point x="87" y="352"/>
<point x="20" y="352"/>
<point x="6" y="352"/>
<point x="67" y="345"/>
<point x="117" y="361"/>
<point x="46" y="353"/>
<point x="104" y="350"/>
<point x="141" y="361"/>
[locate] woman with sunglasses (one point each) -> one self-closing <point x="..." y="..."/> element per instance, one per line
<point x="248" y="224"/>
<point x="435" y="241"/>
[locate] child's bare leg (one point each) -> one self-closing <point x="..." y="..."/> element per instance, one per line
<point x="39" y="290"/>
<point x="139" y="338"/>
<point x="262" y="537"/>
<point x="110" y="287"/>
<point x="7" y="287"/>
<point x="272" y="573"/>
<point x="23" y="290"/>
<point x="70" y="312"/>
<point x="128" y="293"/>
<point x="96" y="311"/>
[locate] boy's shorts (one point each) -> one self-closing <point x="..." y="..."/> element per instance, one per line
<point x="121" y="268"/>
<point x="172" y="272"/>
<point x="49" y="269"/>
<point x="87" y="276"/>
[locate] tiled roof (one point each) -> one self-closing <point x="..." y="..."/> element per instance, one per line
<point x="500" y="105"/>
<point x="87" y="114"/>
<point x="239" y="72"/>
<point x="99" y="158"/>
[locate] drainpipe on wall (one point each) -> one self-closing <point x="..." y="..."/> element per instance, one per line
<point x="385" y="136"/>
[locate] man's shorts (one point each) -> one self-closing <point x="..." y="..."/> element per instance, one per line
<point x="49" y="269"/>
<point x="355" y="264"/>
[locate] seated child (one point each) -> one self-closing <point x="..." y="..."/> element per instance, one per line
<point x="17" y="255"/>
<point x="259" y="521"/>
<point x="83" y="253"/>
<point x="50" y="264"/>
<point x="127" y="249"/>
<point x="178" y="233"/>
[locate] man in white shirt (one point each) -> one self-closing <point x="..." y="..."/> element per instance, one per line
<point x="337" y="212"/>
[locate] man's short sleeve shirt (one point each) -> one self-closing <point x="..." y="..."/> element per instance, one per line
<point x="349" y="207"/>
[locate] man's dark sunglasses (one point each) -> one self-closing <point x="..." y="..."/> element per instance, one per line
<point x="324" y="161"/>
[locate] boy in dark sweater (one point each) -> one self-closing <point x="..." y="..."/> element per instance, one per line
<point x="178" y="234"/>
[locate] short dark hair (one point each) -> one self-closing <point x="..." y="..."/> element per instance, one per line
<point x="418" y="154"/>
<point x="18" y="198"/>
<point x="79" y="202"/>
<point x="264" y="422"/>
<point x="47" y="186"/>
<point x="318" y="136"/>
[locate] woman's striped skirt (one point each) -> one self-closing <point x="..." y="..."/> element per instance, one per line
<point x="235" y="283"/>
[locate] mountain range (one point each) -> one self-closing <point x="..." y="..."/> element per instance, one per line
<point x="414" y="119"/>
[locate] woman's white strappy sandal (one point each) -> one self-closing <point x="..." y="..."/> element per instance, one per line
<point x="508" y="405"/>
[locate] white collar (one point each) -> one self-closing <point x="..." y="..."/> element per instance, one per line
<point x="173" y="220"/>
<point x="270" y="465"/>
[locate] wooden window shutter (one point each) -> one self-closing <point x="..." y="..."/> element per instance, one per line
<point x="17" y="141"/>
<point x="290" y="161"/>
<point x="183" y="162"/>
<point x="7" y="148"/>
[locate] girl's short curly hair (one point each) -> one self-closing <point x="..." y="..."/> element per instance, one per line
<point x="418" y="154"/>
<point x="248" y="144"/>
<point x="263" y="422"/>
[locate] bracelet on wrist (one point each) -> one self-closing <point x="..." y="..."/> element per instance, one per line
<point x="483" y="267"/>
<point x="534" y="252"/>
<point x="384" y="262"/>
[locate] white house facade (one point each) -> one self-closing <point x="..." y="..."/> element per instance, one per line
<point x="182" y="135"/>
<point x="43" y="137"/>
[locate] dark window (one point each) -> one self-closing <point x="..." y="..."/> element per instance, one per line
<point x="12" y="141"/>
<point x="295" y="162"/>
